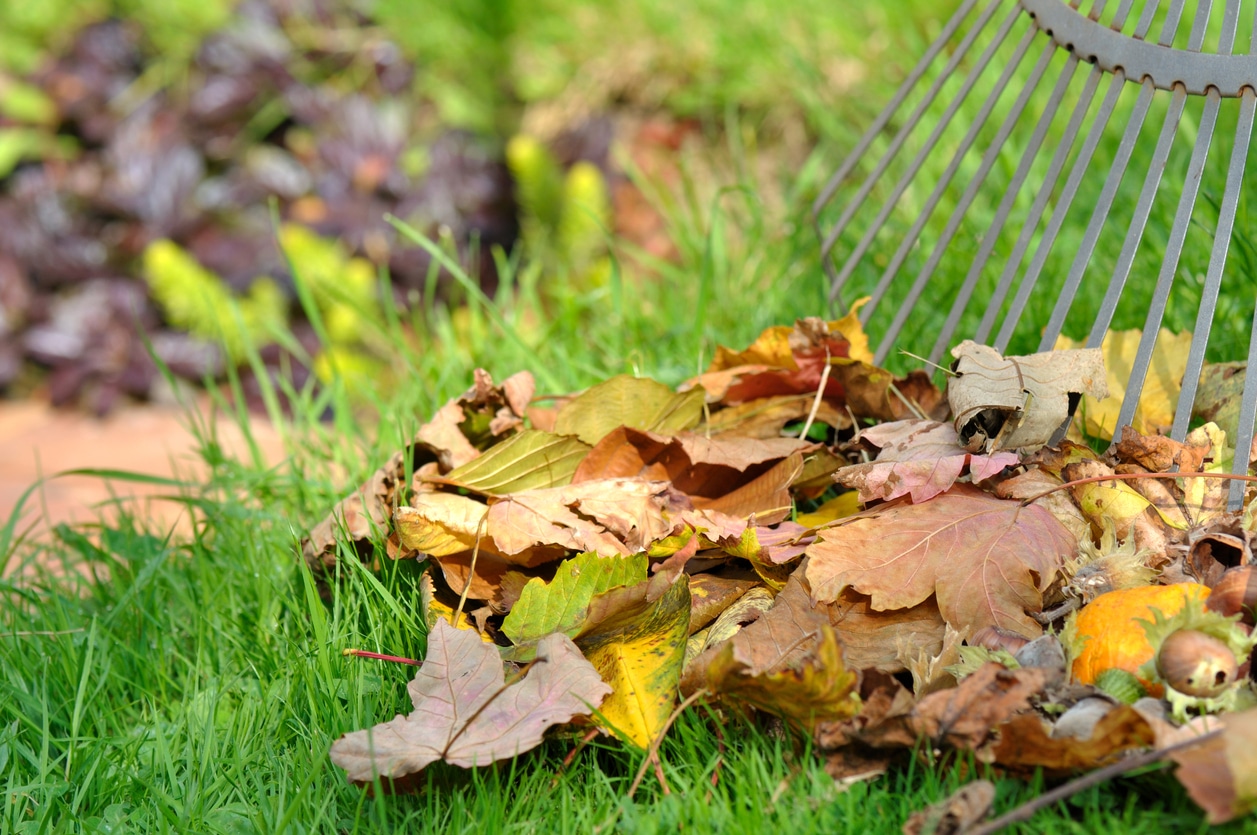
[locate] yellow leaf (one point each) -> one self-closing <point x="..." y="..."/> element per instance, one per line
<point x="850" y="327"/>
<point x="439" y="524"/>
<point x="838" y="507"/>
<point x="1161" y="387"/>
<point x="637" y="644"/>
<point x="434" y="610"/>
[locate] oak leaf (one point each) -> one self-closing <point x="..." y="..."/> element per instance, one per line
<point x="465" y="712"/>
<point x="987" y="560"/>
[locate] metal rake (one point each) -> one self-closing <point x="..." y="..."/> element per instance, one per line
<point x="1023" y="152"/>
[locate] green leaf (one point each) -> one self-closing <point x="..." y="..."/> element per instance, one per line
<point x="561" y="604"/>
<point x="528" y="460"/>
<point x="635" y="402"/>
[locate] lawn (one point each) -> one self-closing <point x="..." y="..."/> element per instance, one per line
<point x="162" y="682"/>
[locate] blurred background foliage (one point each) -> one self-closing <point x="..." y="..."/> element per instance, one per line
<point x="231" y="176"/>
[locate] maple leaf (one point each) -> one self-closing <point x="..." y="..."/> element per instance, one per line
<point x="635" y="638"/>
<point x="465" y="712"/>
<point x="918" y="458"/>
<point x="988" y="560"/>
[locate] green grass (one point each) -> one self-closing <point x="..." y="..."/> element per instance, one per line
<point x="154" y="683"/>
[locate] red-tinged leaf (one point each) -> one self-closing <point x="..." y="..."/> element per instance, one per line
<point x="1027" y="743"/>
<point x="987" y="560"/>
<point x="465" y="712"/>
<point x="918" y="458"/>
<point x="615" y="516"/>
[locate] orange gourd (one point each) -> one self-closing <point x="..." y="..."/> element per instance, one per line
<point x="1108" y="634"/>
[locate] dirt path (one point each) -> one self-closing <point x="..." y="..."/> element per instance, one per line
<point x="37" y="440"/>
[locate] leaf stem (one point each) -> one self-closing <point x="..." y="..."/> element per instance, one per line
<point x="396" y="659"/>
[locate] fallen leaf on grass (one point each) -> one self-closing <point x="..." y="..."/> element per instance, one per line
<point x="987" y="560"/>
<point x="635" y="638"/>
<point x="964" y="717"/>
<point x="465" y="712"/>
<point x="918" y="458"/>
<point x="529" y="460"/>
<point x="1018" y="402"/>
<point x="634" y="402"/>
<point x="788" y="663"/>
<point x="615" y="516"/>
<point x="955" y="815"/>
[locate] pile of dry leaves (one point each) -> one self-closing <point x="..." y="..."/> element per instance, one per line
<point x="796" y="532"/>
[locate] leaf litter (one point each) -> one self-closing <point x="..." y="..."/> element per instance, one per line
<point x="901" y="588"/>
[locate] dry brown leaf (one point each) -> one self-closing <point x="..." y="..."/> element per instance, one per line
<point x="1026" y="743"/>
<point x="766" y="417"/>
<point x="955" y="815"/>
<point x="964" y="717"/>
<point x="766" y="498"/>
<point x="1220" y="774"/>
<point x="878" y="640"/>
<point x="1018" y="402"/>
<point x="918" y="458"/>
<point x="610" y="517"/>
<point x="988" y="560"/>
<point x="465" y="712"/>
<point x="782" y="636"/>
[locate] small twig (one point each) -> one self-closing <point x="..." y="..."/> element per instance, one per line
<point x="1133" y="477"/>
<point x="663" y="781"/>
<point x="1027" y="810"/>
<point x="820" y="395"/>
<point x="396" y="659"/>
<point x="912" y="405"/>
<point x="571" y="755"/>
<point x="471" y="569"/>
<point x="652" y="753"/>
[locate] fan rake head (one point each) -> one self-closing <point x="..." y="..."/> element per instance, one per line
<point x="1052" y="168"/>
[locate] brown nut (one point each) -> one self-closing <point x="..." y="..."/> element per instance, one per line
<point x="1235" y="593"/>
<point x="993" y="638"/>
<point x="1196" y="664"/>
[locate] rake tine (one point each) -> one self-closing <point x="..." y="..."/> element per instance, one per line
<point x="1076" y="175"/>
<point x="914" y="77"/>
<point x="1010" y="196"/>
<point x="909" y="239"/>
<point x="1248" y="403"/>
<point x="1217" y="262"/>
<point x="966" y="200"/>
<point x="1116" y="174"/>
<point x="837" y="281"/>
<point x="902" y="185"/>
<point x="1169" y="267"/>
